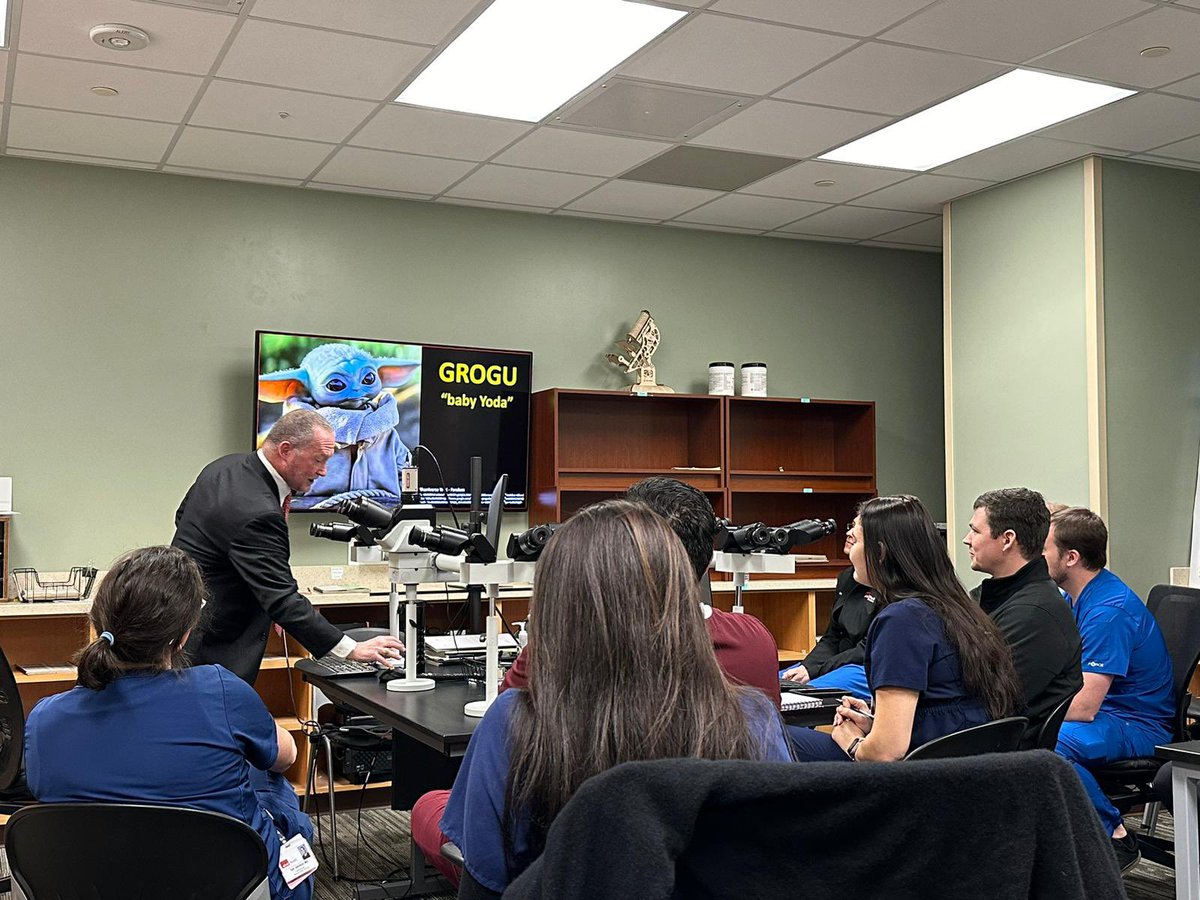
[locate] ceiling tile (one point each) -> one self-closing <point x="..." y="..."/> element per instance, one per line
<point x="231" y="151"/>
<point x="230" y="176"/>
<point x="1136" y="123"/>
<point x="706" y="167"/>
<point x="759" y="213"/>
<point x="577" y="151"/>
<point x="892" y="80"/>
<point x="532" y="187"/>
<point x="254" y="107"/>
<point x="1189" y="87"/>
<point x="928" y="233"/>
<point x="1016" y="158"/>
<point x="181" y="40"/>
<point x="853" y="222"/>
<point x="734" y="55"/>
<point x="799" y="182"/>
<point x="1189" y="150"/>
<point x="84" y="160"/>
<point x="419" y="21"/>
<point x="925" y="193"/>
<point x="323" y="61"/>
<point x="412" y="129"/>
<point x="392" y="171"/>
<point x="788" y="129"/>
<point x="3" y="70"/>
<point x="1113" y="55"/>
<point x="67" y="83"/>
<point x="1012" y="31"/>
<point x="69" y="132"/>
<point x="861" y="17"/>
<point x="1194" y="4"/>
<point x="651" y="201"/>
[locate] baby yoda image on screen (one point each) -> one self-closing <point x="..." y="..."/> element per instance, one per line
<point x="368" y="391"/>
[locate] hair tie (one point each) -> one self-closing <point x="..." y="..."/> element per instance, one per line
<point x="107" y="635"/>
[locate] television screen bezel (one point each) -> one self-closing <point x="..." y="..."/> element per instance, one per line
<point x="444" y="506"/>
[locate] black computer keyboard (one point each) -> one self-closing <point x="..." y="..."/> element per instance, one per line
<point x="335" y="667"/>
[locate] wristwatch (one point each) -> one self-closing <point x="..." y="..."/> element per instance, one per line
<point x="852" y="750"/>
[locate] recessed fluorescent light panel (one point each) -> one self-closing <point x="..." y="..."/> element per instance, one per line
<point x="1000" y="110"/>
<point x="523" y="59"/>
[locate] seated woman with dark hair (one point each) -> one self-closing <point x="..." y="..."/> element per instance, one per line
<point x="621" y="669"/>
<point x="155" y="732"/>
<point x="934" y="661"/>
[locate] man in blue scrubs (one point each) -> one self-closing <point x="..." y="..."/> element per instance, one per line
<point x="1126" y="705"/>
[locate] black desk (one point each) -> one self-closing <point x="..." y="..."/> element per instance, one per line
<point x="429" y="730"/>
<point x="1185" y="777"/>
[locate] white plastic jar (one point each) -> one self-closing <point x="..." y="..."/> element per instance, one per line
<point x="754" y="379"/>
<point x="720" y="378"/>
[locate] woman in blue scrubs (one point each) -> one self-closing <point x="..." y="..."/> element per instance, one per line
<point x="935" y="662"/>
<point x="157" y="732"/>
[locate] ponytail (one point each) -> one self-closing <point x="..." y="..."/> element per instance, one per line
<point x="97" y="664"/>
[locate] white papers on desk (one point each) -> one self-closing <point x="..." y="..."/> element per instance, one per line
<point x="463" y="646"/>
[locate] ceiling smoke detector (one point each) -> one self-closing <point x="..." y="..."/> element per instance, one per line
<point x="120" y="37"/>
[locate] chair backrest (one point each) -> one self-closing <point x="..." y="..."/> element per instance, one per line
<point x="1047" y="736"/>
<point x="12" y="726"/>
<point x="109" y="851"/>
<point x="998" y="736"/>
<point x="1177" y="612"/>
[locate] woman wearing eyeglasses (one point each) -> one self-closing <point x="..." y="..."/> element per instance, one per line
<point x="935" y="663"/>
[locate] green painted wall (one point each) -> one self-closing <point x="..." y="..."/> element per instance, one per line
<point x="128" y="303"/>
<point x="1152" y="365"/>
<point x="1019" y="364"/>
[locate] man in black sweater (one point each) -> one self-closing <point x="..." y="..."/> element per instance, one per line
<point x="1005" y="538"/>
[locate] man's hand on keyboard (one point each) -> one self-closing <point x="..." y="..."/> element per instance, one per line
<point x="384" y="649"/>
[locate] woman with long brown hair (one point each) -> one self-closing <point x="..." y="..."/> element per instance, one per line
<point x="935" y="662"/>
<point x="621" y="669"/>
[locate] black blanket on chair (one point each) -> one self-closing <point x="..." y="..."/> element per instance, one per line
<point x="996" y="827"/>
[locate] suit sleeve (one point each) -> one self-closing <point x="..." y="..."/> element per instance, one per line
<point x="259" y="552"/>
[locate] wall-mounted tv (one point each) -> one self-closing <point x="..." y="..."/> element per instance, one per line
<point x="385" y="399"/>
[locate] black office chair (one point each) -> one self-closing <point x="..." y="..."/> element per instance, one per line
<point x="1130" y="782"/>
<point x="114" y="851"/>
<point x="999" y="736"/>
<point x="14" y="793"/>
<point x="1047" y="736"/>
<point x="346" y="739"/>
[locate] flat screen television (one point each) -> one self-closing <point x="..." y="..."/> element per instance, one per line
<point x="386" y="399"/>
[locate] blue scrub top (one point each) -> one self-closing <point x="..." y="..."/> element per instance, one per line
<point x="474" y="815"/>
<point x="907" y="647"/>
<point x="1121" y="638"/>
<point x="179" y="738"/>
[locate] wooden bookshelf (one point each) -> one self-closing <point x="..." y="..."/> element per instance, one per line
<point x="757" y="459"/>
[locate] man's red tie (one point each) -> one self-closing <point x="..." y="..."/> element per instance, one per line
<point x="287" y="505"/>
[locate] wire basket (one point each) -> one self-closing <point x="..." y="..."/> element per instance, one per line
<point x="29" y="587"/>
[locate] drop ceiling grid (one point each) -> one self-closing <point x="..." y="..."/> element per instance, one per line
<point x="1114" y="23"/>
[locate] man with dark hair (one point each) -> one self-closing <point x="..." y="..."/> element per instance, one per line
<point x="1005" y="539"/>
<point x="233" y="524"/>
<point x="745" y="649"/>
<point x="1127" y="704"/>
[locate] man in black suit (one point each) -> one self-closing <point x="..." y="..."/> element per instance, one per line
<point x="232" y="523"/>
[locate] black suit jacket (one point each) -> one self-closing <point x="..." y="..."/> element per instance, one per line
<point x="232" y="525"/>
